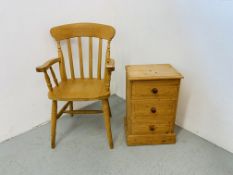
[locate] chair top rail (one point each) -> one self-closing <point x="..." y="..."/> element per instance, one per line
<point x="83" y="30"/>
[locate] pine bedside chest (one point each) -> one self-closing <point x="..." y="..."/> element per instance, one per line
<point x="151" y="100"/>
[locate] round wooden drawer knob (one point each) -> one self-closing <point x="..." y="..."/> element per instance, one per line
<point x="152" y="128"/>
<point x="154" y="90"/>
<point x="153" y="110"/>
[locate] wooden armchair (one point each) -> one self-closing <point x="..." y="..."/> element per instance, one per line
<point x="79" y="88"/>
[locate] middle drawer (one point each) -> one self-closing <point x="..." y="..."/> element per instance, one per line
<point x="153" y="107"/>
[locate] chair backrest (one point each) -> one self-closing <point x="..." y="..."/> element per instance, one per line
<point x="76" y="32"/>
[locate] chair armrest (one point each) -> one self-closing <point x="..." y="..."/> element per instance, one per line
<point x="110" y="65"/>
<point x="47" y="65"/>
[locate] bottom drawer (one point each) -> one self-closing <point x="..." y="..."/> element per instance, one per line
<point x="150" y="128"/>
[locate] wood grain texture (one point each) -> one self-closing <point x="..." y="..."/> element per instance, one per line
<point x="83" y="30"/>
<point x="107" y="122"/>
<point x="148" y="139"/>
<point x="108" y="51"/>
<point x="90" y="58"/>
<point x="99" y="59"/>
<point x="70" y="59"/>
<point x="152" y="72"/>
<point x="61" y="63"/>
<point x="84" y="111"/>
<point x="109" y="109"/>
<point x="53" y="123"/>
<point x="162" y="89"/>
<point x="71" y="108"/>
<point x="151" y="101"/>
<point x="47" y="65"/>
<point x="79" y="89"/>
<point x="150" y="128"/>
<point x="161" y="107"/>
<point x="54" y="76"/>
<point x="80" y="57"/>
<point x="109" y="67"/>
<point x="47" y="79"/>
<point x="63" y="109"/>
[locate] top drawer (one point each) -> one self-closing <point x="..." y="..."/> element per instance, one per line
<point x="155" y="89"/>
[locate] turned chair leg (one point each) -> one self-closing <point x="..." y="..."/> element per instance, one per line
<point x="53" y="123"/>
<point x="109" y="109"/>
<point x="71" y="107"/>
<point x="107" y="121"/>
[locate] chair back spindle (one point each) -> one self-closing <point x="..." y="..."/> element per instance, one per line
<point x="99" y="59"/>
<point x="90" y="58"/>
<point x="80" y="57"/>
<point x="70" y="59"/>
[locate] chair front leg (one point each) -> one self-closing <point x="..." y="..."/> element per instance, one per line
<point x="53" y="123"/>
<point x="107" y="122"/>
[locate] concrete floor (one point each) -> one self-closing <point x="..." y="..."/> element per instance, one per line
<point x="82" y="149"/>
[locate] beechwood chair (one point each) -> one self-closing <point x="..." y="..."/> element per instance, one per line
<point x="79" y="88"/>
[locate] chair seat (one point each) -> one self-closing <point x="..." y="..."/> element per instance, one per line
<point x="79" y="89"/>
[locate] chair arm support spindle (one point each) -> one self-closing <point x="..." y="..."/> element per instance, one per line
<point x="54" y="76"/>
<point x="44" y="67"/>
<point x="47" y="79"/>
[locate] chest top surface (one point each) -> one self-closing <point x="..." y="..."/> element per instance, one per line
<point x="152" y="72"/>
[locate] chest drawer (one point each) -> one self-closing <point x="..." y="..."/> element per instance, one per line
<point x="155" y="89"/>
<point x="153" y="108"/>
<point x="150" y="128"/>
